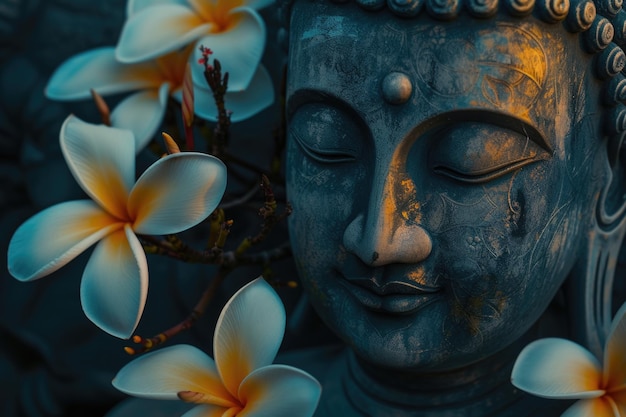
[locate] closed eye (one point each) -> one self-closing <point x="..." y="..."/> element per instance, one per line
<point x="477" y="152"/>
<point x="335" y="155"/>
<point x="327" y="133"/>
<point x="488" y="174"/>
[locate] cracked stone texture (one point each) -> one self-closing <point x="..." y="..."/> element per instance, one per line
<point x="53" y="361"/>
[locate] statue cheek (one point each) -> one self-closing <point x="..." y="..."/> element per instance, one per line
<point x="474" y="236"/>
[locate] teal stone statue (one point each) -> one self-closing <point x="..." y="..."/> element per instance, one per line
<point x="456" y="171"/>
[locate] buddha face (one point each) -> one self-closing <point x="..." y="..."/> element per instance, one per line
<point x="441" y="175"/>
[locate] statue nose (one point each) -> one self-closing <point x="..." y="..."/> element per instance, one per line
<point x="382" y="240"/>
<point x="389" y="231"/>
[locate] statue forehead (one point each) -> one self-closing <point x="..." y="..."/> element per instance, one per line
<point x="589" y="32"/>
<point x="499" y="65"/>
<point x="427" y="48"/>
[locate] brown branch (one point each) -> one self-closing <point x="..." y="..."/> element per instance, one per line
<point x="173" y="246"/>
<point x="219" y="85"/>
<point x="187" y="323"/>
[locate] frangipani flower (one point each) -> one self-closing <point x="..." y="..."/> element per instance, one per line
<point x="561" y="369"/>
<point x="232" y="29"/>
<point x="241" y="381"/>
<point x="174" y="194"/>
<point x="141" y="112"/>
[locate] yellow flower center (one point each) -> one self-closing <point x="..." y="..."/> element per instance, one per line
<point x="218" y="12"/>
<point x="172" y="67"/>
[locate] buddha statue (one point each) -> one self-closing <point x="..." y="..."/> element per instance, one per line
<point x="456" y="174"/>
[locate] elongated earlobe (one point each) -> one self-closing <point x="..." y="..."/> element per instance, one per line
<point x="590" y="289"/>
<point x="612" y="203"/>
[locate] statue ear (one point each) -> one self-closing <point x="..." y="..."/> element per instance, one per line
<point x="612" y="203"/>
<point x="590" y="288"/>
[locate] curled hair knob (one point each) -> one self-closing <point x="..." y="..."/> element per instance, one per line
<point x="482" y="8"/>
<point x="371" y="4"/>
<point x="553" y="10"/>
<point x="615" y="91"/>
<point x="443" y="9"/>
<point x="407" y="8"/>
<point x="599" y="35"/>
<point x="619" y="24"/>
<point x="610" y="62"/>
<point x="609" y="8"/>
<point x="581" y="15"/>
<point x="519" y="7"/>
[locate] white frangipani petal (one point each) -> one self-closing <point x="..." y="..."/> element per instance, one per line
<point x="99" y="70"/>
<point x="177" y="192"/>
<point x="115" y="283"/>
<point x="619" y="399"/>
<point x="239" y="49"/>
<point x="168" y="371"/>
<point x="614" y="352"/>
<point x="142" y="114"/>
<point x="248" y="333"/>
<point x="207" y="410"/>
<point x="102" y="160"/>
<point x="157" y="30"/>
<point x="53" y="237"/>
<point x="204" y="104"/>
<point x="279" y="391"/>
<point x="243" y="105"/>
<point x="557" y="368"/>
<point x="594" y="407"/>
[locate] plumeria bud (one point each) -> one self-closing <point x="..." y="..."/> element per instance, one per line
<point x="188" y="107"/>
<point x="187" y="97"/>
<point x="129" y="350"/>
<point x="170" y="144"/>
<point x="102" y="107"/>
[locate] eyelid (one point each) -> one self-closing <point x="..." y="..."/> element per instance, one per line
<point x="478" y="151"/>
<point x="325" y="127"/>
<point x="304" y="96"/>
<point x="335" y="155"/>
<point x="488" y="117"/>
<point x="487" y="174"/>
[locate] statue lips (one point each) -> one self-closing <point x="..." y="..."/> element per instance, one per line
<point x="395" y="297"/>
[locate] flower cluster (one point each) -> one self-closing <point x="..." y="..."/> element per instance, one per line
<point x="161" y="55"/>
<point x="158" y="40"/>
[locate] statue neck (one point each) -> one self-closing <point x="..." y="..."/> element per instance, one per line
<point x="483" y="389"/>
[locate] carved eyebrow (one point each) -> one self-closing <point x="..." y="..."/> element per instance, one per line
<point x="308" y="95"/>
<point x="487" y="116"/>
<point x="305" y="96"/>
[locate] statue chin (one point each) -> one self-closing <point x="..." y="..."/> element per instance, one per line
<point x="447" y="180"/>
